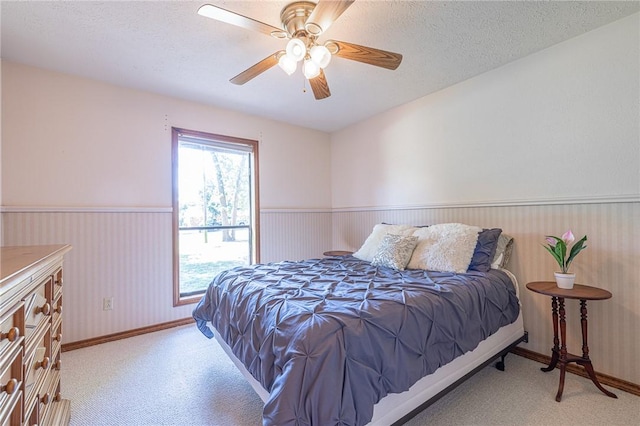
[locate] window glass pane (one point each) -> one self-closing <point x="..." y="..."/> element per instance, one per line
<point x="214" y="187"/>
<point x="204" y="254"/>
<point x="214" y="204"/>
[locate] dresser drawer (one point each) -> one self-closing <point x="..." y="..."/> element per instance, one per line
<point x="37" y="363"/>
<point x="47" y="395"/>
<point x="11" y="325"/>
<point x="56" y="316"/>
<point x="11" y="386"/>
<point x="56" y="339"/>
<point x="59" y="412"/>
<point x="10" y="409"/>
<point x="57" y="283"/>
<point x="31" y="295"/>
<point x="37" y="309"/>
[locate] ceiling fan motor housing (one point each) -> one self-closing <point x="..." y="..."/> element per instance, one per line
<point x="294" y="17"/>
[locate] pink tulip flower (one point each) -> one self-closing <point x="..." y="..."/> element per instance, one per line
<point x="568" y="237"/>
<point x="558" y="248"/>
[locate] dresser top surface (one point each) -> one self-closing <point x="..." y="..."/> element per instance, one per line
<point x="15" y="259"/>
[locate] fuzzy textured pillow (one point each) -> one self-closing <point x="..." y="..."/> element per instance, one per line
<point x="445" y="247"/>
<point x="373" y="241"/>
<point x="395" y="251"/>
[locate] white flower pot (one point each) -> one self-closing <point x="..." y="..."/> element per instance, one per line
<point x="565" y="280"/>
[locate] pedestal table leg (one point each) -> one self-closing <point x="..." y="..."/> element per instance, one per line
<point x="563" y="349"/>
<point x="556" y="343"/>
<point x="586" y="362"/>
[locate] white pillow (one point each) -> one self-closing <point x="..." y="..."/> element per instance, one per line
<point x="445" y="247"/>
<point x="373" y="241"/>
<point x="497" y="261"/>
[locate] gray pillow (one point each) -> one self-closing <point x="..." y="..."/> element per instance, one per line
<point x="395" y="251"/>
<point x="503" y="251"/>
<point x="372" y="243"/>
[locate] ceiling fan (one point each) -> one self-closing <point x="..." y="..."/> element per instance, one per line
<point x="302" y="23"/>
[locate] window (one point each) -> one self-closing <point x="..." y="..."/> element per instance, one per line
<point x="215" y="209"/>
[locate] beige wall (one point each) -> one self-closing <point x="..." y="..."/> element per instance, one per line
<point x="89" y="164"/>
<point x="487" y="151"/>
<point x="541" y="145"/>
<point x="73" y="142"/>
<point x="558" y="125"/>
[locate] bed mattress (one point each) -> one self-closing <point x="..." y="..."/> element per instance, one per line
<point x="329" y="338"/>
<point x="395" y="406"/>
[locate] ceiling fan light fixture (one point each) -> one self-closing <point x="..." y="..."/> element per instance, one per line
<point x="332" y="47"/>
<point x="310" y="69"/>
<point x="288" y="64"/>
<point x="296" y="49"/>
<point x="279" y="34"/>
<point x="320" y="55"/>
<point x="313" y="28"/>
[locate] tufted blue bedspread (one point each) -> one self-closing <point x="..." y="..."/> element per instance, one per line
<point x="328" y="338"/>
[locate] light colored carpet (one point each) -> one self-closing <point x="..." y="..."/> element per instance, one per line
<point x="178" y="377"/>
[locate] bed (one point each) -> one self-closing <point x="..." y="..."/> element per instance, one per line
<point x="348" y="340"/>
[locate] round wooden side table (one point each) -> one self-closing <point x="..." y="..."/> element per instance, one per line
<point x="559" y="354"/>
<point x="337" y="253"/>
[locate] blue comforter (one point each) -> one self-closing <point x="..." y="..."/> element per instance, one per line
<point x="328" y="338"/>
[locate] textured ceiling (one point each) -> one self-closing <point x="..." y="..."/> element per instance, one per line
<point x="166" y="48"/>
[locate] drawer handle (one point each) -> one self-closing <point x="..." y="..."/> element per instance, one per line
<point x="58" y="309"/>
<point x="58" y="337"/>
<point x="45" y="309"/>
<point x="10" y="387"/>
<point x="42" y="364"/>
<point x="11" y="335"/>
<point x="45" y="398"/>
<point x="58" y="397"/>
<point x="57" y="365"/>
<point x="59" y="282"/>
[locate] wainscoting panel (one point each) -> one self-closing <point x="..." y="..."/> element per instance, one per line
<point x="286" y="235"/>
<point x="611" y="261"/>
<point x="122" y="255"/>
<point x="127" y="255"/>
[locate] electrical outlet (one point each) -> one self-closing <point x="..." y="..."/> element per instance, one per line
<point x="107" y="303"/>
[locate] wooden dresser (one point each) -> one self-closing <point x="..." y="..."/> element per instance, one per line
<point x="30" y="336"/>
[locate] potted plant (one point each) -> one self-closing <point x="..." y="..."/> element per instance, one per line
<point x="558" y="249"/>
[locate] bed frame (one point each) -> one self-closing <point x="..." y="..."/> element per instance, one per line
<point x="397" y="408"/>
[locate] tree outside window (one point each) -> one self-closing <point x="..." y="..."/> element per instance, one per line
<point x="213" y="207"/>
